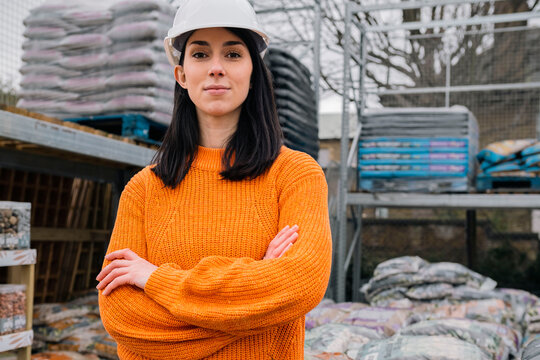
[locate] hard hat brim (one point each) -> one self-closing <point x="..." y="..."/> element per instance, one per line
<point x="173" y="47"/>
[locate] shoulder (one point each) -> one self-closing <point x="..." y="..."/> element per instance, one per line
<point x="138" y="184"/>
<point x="293" y="166"/>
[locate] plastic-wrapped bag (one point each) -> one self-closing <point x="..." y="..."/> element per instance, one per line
<point x="404" y="264"/>
<point x="421" y="348"/>
<point x="133" y="102"/>
<point x="44" y="32"/>
<point x="83" y="107"/>
<point x="41" y="56"/>
<point x="484" y="335"/>
<point x="154" y="15"/>
<point x="85" y="62"/>
<point x="502" y="150"/>
<point x="53" y="312"/>
<point x="47" y="94"/>
<point x="329" y="312"/>
<point x="137" y="31"/>
<point x="455" y="273"/>
<point x="386" y="297"/>
<point x="532" y="350"/>
<point x="85" y="41"/>
<point x="142" y="78"/>
<point x="93" y="17"/>
<point x="133" y="6"/>
<point x="314" y="355"/>
<point x="80" y="341"/>
<point x="62" y="329"/>
<point x="84" y="84"/>
<point x="105" y="347"/>
<point x="384" y="320"/>
<point x="429" y="291"/>
<point x="489" y="310"/>
<point x="41" y="81"/>
<point x="339" y="338"/>
<point x="47" y="69"/>
<point x="135" y="57"/>
<point x="39" y="105"/>
<point x="63" y="355"/>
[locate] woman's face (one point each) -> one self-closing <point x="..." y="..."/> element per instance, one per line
<point x="216" y="71"/>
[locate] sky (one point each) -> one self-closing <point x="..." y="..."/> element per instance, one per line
<point x="12" y="13"/>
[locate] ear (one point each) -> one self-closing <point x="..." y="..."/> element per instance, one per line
<point x="180" y="75"/>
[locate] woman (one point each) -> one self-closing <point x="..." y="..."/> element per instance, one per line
<point x="222" y="246"/>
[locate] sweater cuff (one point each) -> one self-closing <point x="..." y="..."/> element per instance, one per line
<point x="163" y="285"/>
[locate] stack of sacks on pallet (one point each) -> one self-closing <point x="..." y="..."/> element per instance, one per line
<point x="444" y="311"/>
<point x="532" y="332"/>
<point x="63" y="355"/>
<point x="511" y="158"/>
<point x="295" y="101"/>
<point x="96" y="58"/>
<point x="531" y="351"/>
<point x="417" y="149"/>
<point x="72" y="327"/>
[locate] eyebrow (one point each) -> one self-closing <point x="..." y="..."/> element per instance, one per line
<point x="205" y="43"/>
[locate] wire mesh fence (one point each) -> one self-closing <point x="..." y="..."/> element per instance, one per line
<point x="493" y="71"/>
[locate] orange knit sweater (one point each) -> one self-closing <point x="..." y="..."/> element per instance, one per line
<point x="212" y="296"/>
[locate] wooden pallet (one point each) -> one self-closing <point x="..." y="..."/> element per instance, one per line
<point x="69" y="124"/>
<point x="131" y="126"/>
<point x="70" y="226"/>
<point x="434" y="185"/>
<point x="508" y="184"/>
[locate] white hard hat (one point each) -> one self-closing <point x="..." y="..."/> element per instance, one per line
<point x="200" y="14"/>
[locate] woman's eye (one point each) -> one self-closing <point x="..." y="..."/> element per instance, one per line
<point x="199" y="55"/>
<point x="234" y="55"/>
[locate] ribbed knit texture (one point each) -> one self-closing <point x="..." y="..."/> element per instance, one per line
<point x="213" y="297"/>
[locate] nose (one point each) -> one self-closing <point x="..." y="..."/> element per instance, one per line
<point x="216" y="68"/>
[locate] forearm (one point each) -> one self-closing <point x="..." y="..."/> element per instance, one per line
<point x="143" y="326"/>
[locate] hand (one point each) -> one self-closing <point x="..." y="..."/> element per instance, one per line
<point x="282" y="242"/>
<point x="126" y="268"/>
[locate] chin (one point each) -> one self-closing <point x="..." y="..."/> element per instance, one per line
<point x="219" y="110"/>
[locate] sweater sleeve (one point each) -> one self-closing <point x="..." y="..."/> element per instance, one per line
<point x="133" y="319"/>
<point x="244" y="295"/>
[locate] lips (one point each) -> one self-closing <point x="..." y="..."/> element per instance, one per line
<point x="216" y="89"/>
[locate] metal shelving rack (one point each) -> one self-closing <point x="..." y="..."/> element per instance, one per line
<point x="353" y="84"/>
<point x="21" y="265"/>
<point x="66" y="151"/>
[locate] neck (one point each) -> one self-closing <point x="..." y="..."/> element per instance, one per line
<point x="215" y="131"/>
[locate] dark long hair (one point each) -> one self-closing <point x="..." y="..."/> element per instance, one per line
<point x="255" y="144"/>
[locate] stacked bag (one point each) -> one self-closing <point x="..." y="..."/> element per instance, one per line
<point x="417" y="149"/>
<point x="64" y="329"/>
<point x="295" y="101"/>
<point x="513" y="159"/>
<point x="436" y="311"/>
<point x="82" y="59"/>
<point x="106" y="58"/>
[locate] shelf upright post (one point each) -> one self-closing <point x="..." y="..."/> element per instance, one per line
<point x="343" y="167"/>
<point x="357" y="265"/>
<point x="317" y="53"/>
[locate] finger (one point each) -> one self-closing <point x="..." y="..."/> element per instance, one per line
<point x="287" y="248"/>
<point x="286" y="234"/>
<point x="127" y="254"/>
<point x="289" y="241"/>
<point x="285" y="228"/>
<point x="112" y="275"/>
<point x="113" y="265"/>
<point x="121" y="280"/>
